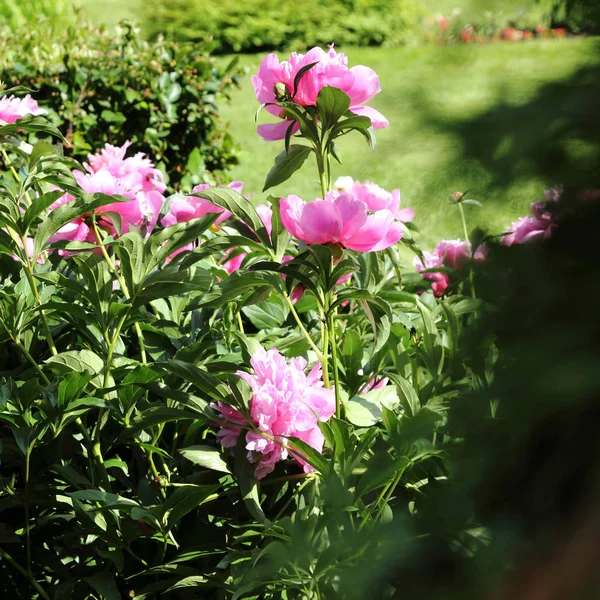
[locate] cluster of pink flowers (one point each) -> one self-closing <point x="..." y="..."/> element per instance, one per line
<point x="285" y="403"/>
<point x="342" y="219"/>
<point x="453" y="254"/>
<point x="539" y="226"/>
<point x="275" y="79"/>
<point x="109" y="172"/>
<point x="12" y="109"/>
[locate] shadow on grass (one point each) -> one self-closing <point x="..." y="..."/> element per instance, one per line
<point x="554" y="136"/>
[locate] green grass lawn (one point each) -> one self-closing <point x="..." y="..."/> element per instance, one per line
<point x="110" y="12"/>
<point x="504" y="121"/>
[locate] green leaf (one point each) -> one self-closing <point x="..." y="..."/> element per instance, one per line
<point x="104" y="584"/>
<point x="240" y="207"/>
<point x="362" y="412"/>
<point x="310" y="455"/>
<point x="205" y="456"/>
<point x="247" y="483"/>
<point x="267" y="315"/>
<point x="300" y="74"/>
<point x="409" y="399"/>
<point x="286" y="164"/>
<point x="38" y="206"/>
<point x="201" y="379"/>
<point x="332" y="104"/>
<point x="183" y="501"/>
<point x="280" y="236"/>
<point x="81" y="361"/>
<point x="238" y="284"/>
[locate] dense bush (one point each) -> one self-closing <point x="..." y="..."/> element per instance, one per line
<point x="577" y="15"/>
<point x="253" y="26"/>
<point x="56" y="13"/>
<point x="104" y="87"/>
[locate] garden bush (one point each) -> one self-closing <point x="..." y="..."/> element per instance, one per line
<point x="200" y="398"/>
<point x="101" y="87"/>
<point x="253" y="26"/>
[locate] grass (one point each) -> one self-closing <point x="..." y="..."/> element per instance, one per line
<point x="110" y="12"/>
<point x="504" y="121"/>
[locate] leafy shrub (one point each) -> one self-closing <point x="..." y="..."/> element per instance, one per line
<point x="100" y="87"/>
<point x="255" y="26"/>
<point x="55" y="13"/>
<point x="577" y="15"/>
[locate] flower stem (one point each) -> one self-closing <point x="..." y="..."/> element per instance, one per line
<point x="305" y="333"/>
<point x="468" y="242"/>
<point x="4" y="554"/>
<point x="334" y="363"/>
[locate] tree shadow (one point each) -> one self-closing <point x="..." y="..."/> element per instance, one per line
<point x="554" y="136"/>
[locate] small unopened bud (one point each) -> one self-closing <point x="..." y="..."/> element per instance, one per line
<point x="280" y="91"/>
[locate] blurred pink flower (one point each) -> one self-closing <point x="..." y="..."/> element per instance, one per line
<point x="376" y="198"/>
<point x="109" y="172"/>
<point x="183" y="209"/>
<point x="342" y="219"/>
<point x="12" y="109"/>
<point x="440" y="280"/>
<point x="539" y="226"/>
<point x="285" y="403"/>
<point x="275" y="78"/>
<point x="454" y="254"/>
<point x="137" y="172"/>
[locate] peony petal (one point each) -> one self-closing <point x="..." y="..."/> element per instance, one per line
<point x="365" y="85"/>
<point x="374" y="233"/>
<point x="321" y="222"/>
<point x="406" y="215"/>
<point x="291" y="214"/>
<point x="353" y="213"/>
<point x="272" y="132"/>
<point x="378" y="121"/>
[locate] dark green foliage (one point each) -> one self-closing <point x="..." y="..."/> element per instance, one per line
<point x="253" y="26"/>
<point x="100" y="87"/>
<point x="580" y="16"/>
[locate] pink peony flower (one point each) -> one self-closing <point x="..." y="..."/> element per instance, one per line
<point x="137" y="172"/>
<point x="340" y="219"/>
<point x="360" y="83"/>
<point x="440" y="280"/>
<point x="184" y="209"/>
<point x="109" y="172"/>
<point x="376" y="198"/>
<point x="539" y="226"/>
<point x="142" y="211"/>
<point x="285" y="403"/>
<point x="453" y="254"/>
<point x="12" y="109"/>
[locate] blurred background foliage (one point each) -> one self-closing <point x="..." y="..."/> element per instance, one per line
<point x="502" y="120"/>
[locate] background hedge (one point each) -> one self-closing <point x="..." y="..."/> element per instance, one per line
<point x="253" y="25"/>
<point x="111" y="87"/>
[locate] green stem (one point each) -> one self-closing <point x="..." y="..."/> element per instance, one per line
<point x="21" y="570"/>
<point x="302" y="328"/>
<point x="334" y="363"/>
<point x="15" y="175"/>
<point x="325" y="351"/>
<point x="27" y="534"/>
<point x="468" y="242"/>
<point x="30" y="278"/>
